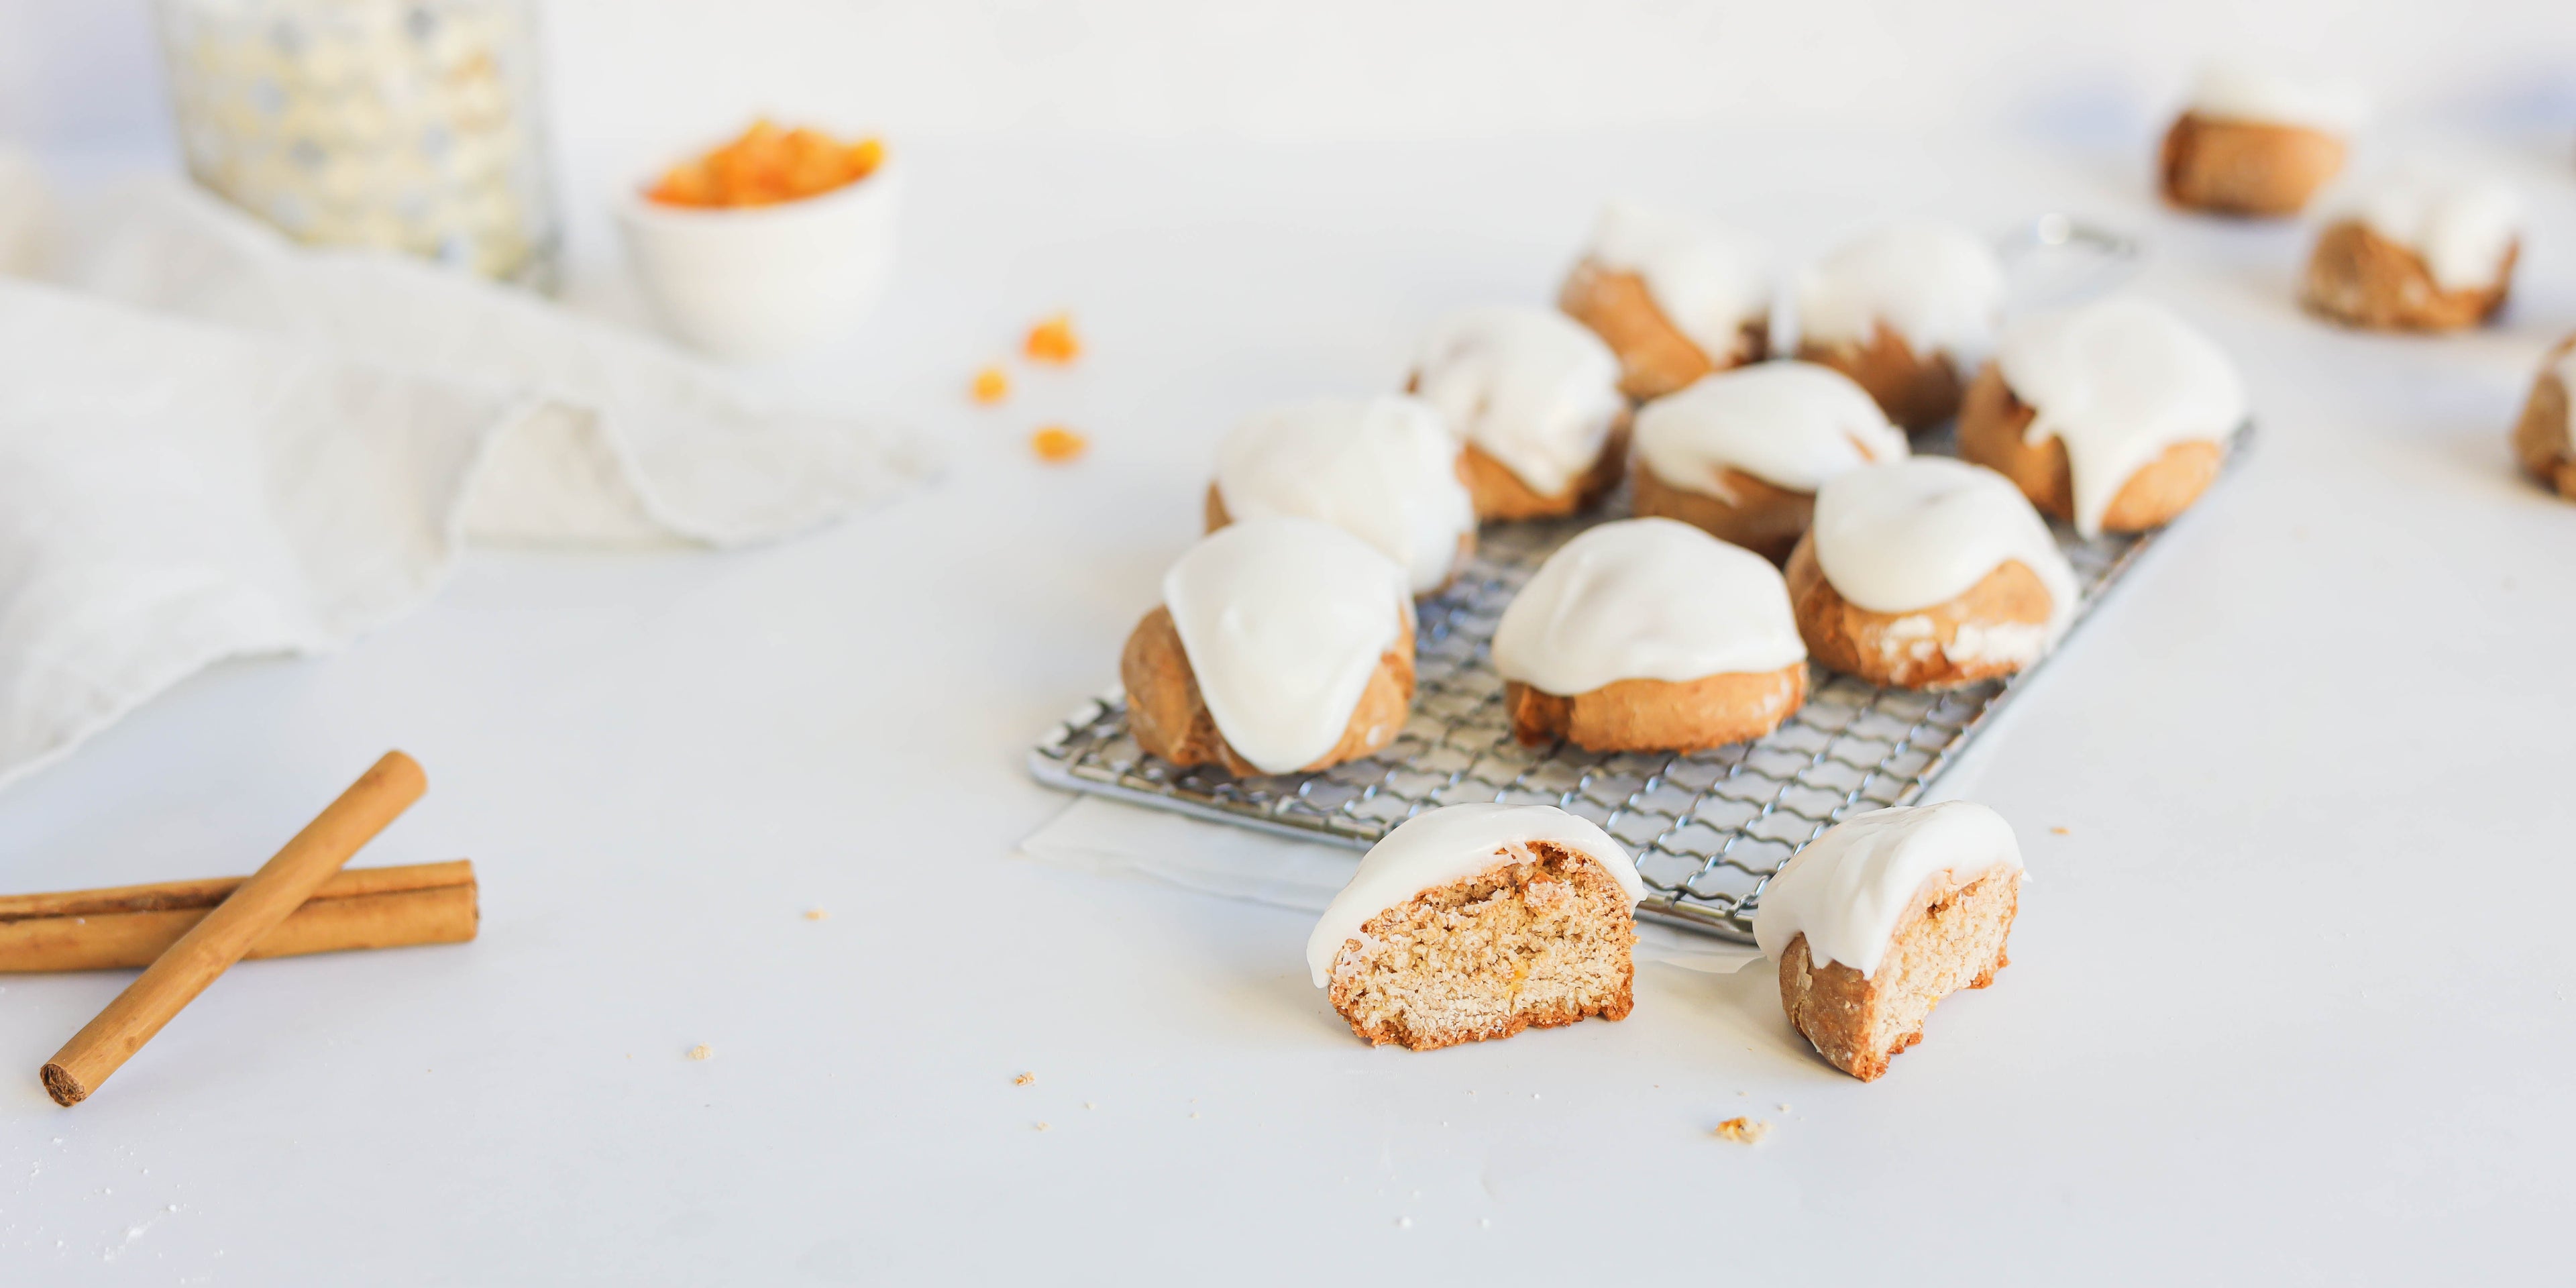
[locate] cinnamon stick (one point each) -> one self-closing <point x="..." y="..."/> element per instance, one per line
<point x="246" y="916"/>
<point x="129" y="926"/>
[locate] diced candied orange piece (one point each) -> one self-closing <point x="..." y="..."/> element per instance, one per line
<point x="865" y="156"/>
<point x="686" y="185"/>
<point x="766" y="164"/>
<point x="1056" y="445"/>
<point x="991" y="386"/>
<point x="1054" y="341"/>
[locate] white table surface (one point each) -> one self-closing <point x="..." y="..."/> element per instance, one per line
<point x="2289" y="1000"/>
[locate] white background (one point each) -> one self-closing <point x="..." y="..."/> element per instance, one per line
<point x="2289" y="1000"/>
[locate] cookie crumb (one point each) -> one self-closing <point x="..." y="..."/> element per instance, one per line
<point x="702" y="1052"/>
<point x="815" y="914"/>
<point x="2060" y="831"/>
<point x="1057" y="445"/>
<point x="1053" y="341"/>
<point x="990" y="387"/>
<point x="1024" y="1080"/>
<point x="1088" y="1105"/>
<point x="1742" y="1131"/>
<point x="1046" y="1127"/>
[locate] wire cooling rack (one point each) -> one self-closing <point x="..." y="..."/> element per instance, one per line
<point x="1706" y="829"/>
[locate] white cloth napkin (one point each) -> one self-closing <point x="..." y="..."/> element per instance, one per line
<point x="214" y="443"/>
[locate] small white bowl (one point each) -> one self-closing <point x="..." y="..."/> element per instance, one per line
<point x="761" y="281"/>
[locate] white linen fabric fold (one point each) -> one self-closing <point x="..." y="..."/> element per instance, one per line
<point x="214" y="443"/>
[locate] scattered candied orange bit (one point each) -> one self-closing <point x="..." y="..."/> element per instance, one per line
<point x="1024" y="1080"/>
<point x="767" y="165"/>
<point x="1743" y="1131"/>
<point x="1056" y="445"/>
<point x="991" y="386"/>
<point x="1054" y="341"/>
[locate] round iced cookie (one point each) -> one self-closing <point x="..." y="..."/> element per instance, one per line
<point x="1928" y="573"/>
<point x="1740" y="454"/>
<point x="2418" y="253"/>
<point x="1534" y="400"/>
<point x="2114" y="416"/>
<point x="1383" y="469"/>
<point x="1281" y="645"/>
<point x="1650" y="635"/>
<point x="1908" y="312"/>
<point x="2251" y="141"/>
<point x="1676" y="298"/>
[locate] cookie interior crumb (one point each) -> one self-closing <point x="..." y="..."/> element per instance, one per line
<point x="1540" y="939"/>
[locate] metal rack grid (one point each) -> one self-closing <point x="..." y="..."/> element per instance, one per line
<point x="1707" y="829"/>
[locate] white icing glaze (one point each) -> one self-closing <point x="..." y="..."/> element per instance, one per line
<point x="1706" y="281"/>
<point x="1284" y="620"/>
<point x="2118" y="381"/>
<point x="1382" y="469"/>
<point x="1851" y="886"/>
<point x="1530" y="386"/>
<point x="1790" y="424"/>
<point x="1918" y="532"/>
<point x="2461" y="230"/>
<point x="1446" y="846"/>
<point x="1939" y="287"/>
<point x="1646" y="599"/>
<point x="2234" y="92"/>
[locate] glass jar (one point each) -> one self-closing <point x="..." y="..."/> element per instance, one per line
<point x="412" y="125"/>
